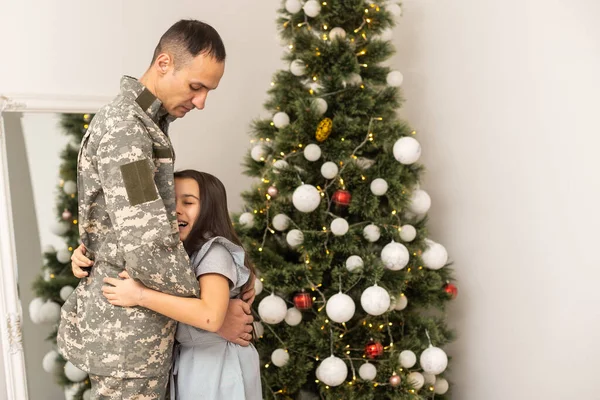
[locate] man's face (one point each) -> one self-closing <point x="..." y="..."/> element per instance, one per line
<point x="184" y="89"/>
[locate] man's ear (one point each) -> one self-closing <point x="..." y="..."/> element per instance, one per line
<point x="163" y="63"/>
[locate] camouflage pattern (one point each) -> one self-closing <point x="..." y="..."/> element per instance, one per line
<point x="127" y="220"/>
<point x="109" y="388"/>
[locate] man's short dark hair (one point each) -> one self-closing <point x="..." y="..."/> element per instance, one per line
<point x="188" y="38"/>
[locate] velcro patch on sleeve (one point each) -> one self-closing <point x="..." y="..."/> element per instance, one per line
<point x="138" y="178"/>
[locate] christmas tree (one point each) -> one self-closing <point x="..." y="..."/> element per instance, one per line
<point x="56" y="281"/>
<point x="352" y="291"/>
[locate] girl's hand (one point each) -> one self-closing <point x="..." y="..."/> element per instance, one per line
<point x="78" y="261"/>
<point x="124" y="292"/>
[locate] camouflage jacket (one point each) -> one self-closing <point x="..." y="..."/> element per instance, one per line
<point x="127" y="220"/>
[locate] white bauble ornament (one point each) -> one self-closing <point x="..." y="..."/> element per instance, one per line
<point x="306" y="198"/>
<point x="59" y="228"/>
<point x="247" y="220"/>
<point x="63" y="256"/>
<point x="312" y="8"/>
<point x="272" y="309"/>
<point x="329" y="170"/>
<point x="340" y="308"/>
<point x="401" y="303"/>
<point x="258" y="152"/>
<point x="386" y="34"/>
<point x="407" y="358"/>
<point x="372" y="233"/>
<point x="354" y="79"/>
<point x="73" y="373"/>
<point x="65" y="292"/>
<point x="298" y="68"/>
<point x="441" y="386"/>
<point x="312" y="152"/>
<point x="435" y="256"/>
<point x="281" y="120"/>
<point x="379" y="187"/>
<point x="416" y="380"/>
<point x="48" y="249"/>
<point x="394" y="78"/>
<point x="259" y="329"/>
<point x="87" y="395"/>
<point x="279" y="165"/>
<point x="293" y="316"/>
<point x="280" y="357"/>
<point x="434" y="360"/>
<point x="70" y="187"/>
<point x="318" y="373"/>
<point x="333" y="371"/>
<point x="429" y="378"/>
<point x="281" y="222"/>
<point x="420" y="202"/>
<point x="319" y="105"/>
<point x="407" y="150"/>
<point x="395" y="256"/>
<point x="375" y="300"/>
<point x="51" y="362"/>
<point x="339" y="227"/>
<point x="49" y="313"/>
<point x="354" y="263"/>
<point x="394" y="9"/>
<point x="367" y="372"/>
<point x="34" y="310"/>
<point x="408" y="233"/>
<point x="258" y="286"/>
<point x="294" y="238"/>
<point x="293" y="6"/>
<point x="337" y="33"/>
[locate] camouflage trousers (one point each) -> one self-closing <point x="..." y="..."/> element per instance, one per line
<point x="109" y="388"/>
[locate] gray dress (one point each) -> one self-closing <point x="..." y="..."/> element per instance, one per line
<point x="206" y="366"/>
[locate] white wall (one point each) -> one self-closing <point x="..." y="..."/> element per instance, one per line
<point x="503" y="95"/>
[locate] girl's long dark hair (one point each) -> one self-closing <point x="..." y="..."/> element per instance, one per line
<point x="213" y="219"/>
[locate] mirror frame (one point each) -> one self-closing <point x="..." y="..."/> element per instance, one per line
<point x="10" y="306"/>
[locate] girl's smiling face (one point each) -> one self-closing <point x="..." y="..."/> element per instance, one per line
<point x="187" y="196"/>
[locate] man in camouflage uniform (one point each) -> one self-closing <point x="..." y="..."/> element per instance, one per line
<point x="127" y="220"/>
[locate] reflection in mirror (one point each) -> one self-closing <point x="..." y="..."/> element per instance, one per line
<point x="42" y="167"/>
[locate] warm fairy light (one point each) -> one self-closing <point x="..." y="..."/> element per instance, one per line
<point x="325" y="27"/>
<point x="260" y="249"/>
<point x="364" y="65"/>
<point x="86" y="126"/>
<point x="311" y="91"/>
<point x="314" y="78"/>
<point x="341" y="336"/>
<point x="73" y="196"/>
<point x="291" y="46"/>
<point x="272" y="83"/>
<point x="381" y="326"/>
<point x="268" y="140"/>
<point x="366" y="10"/>
<point x="51" y="276"/>
<point x="299" y="25"/>
<point x="394" y="212"/>
<point x="268" y="196"/>
<point x="272" y="124"/>
<point x="370" y="325"/>
<point x="326" y="321"/>
<point x="368" y="20"/>
<point x="266" y="365"/>
<point x="413" y="132"/>
<point x="70" y="248"/>
<point x="255" y="211"/>
<point x="364" y="178"/>
<point x="364" y="36"/>
<point x="299" y="144"/>
<point x="390" y="324"/>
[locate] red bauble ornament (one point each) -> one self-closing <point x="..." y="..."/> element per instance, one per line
<point x="303" y="301"/>
<point x="373" y="349"/>
<point x="66" y="215"/>
<point x="451" y="289"/>
<point x="394" y="380"/>
<point x="341" y="197"/>
<point x="273" y="191"/>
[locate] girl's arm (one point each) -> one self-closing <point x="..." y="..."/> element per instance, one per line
<point x="207" y="312"/>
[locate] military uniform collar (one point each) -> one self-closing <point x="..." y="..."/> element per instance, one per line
<point x="135" y="90"/>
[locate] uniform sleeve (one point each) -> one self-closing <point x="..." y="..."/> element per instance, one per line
<point x="150" y="243"/>
<point x="218" y="260"/>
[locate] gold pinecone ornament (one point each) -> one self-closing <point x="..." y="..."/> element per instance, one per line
<point x="324" y="129"/>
